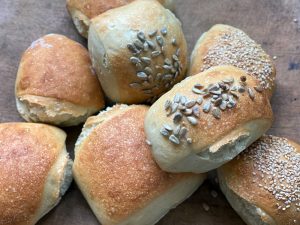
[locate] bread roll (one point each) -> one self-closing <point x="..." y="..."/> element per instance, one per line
<point x="35" y="171"/>
<point x="116" y="173"/>
<point x="82" y="11"/>
<point x="226" y="45"/>
<point x="263" y="183"/>
<point x="138" y="50"/>
<point x="56" y="83"/>
<point x="207" y="119"/>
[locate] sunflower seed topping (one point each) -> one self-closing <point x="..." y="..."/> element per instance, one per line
<point x="138" y="44"/>
<point x="135" y="60"/>
<point x="164" y="132"/>
<point x="152" y="33"/>
<point x="183" y="132"/>
<point x="192" y="120"/>
<point x="168" y="104"/>
<point x="164" y="31"/>
<point x="141" y="36"/>
<point x="251" y="93"/>
<point x="146" y="60"/>
<point x="216" y="113"/>
<point x="148" y="70"/>
<point x="160" y="40"/>
<point x="155" y="54"/>
<point x="200" y="100"/>
<point x="177" y="98"/>
<point x="206" y="107"/>
<point x="177" y="117"/>
<point x="174" y="139"/>
<point x="190" y="103"/>
<point x="167" y="127"/>
<point x="142" y="75"/>
<point x="258" y="89"/>
<point x="174" y="42"/>
<point x="151" y="45"/>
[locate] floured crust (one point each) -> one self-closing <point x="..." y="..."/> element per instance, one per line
<point x="114" y="167"/>
<point x="244" y="180"/>
<point x="250" y="118"/>
<point x="83" y="11"/>
<point x="211" y="46"/>
<point x="27" y="154"/>
<point x="57" y="67"/>
<point x="109" y="36"/>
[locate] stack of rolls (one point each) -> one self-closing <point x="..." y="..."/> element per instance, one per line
<point x="133" y="163"/>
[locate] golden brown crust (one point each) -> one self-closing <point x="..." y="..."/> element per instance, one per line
<point x="115" y="167"/>
<point x="209" y="129"/>
<point x="57" y="67"/>
<point x="245" y="178"/>
<point x="93" y="8"/>
<point x="241" y="51"/>
<point x="109" y="36"/>
<point x="27" y="153"/>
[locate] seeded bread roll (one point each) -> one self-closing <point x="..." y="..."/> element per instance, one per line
<point x="226" y="45"/>
<point x="56" y="83"/>
<point x="207" y="119"/>
<point x="121" y="181"/>
<point x="263" y="183"/>
<point x="138" y="50"/>
<point x="82" y="11"/>
<point x="35" y="171"/>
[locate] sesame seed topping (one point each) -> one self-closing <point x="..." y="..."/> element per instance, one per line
<point x="238" y="49"/>
<point x="277" y="165"/>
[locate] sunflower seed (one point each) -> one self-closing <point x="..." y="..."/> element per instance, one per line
<point x="196" y="111"/>
<point x="216" y="92"/>
<point x="243" y="78"/>
<point x="241" y="89"/>
<point x="141" y="36"/>
<point x="166" y="67"/>
<point x="190" y="103"/>
<point x="177" y="117"/>
<point x="148" y="91"/>
<point x="234" y="94"/>
<point x="197" y="91"/>
<point x="228" y="80"/>
<point x="223" y="105"/>
<point x="216" y="112"/>
<point x="234" y="88"/>
<point x="174" y="42"/>
<point x="189" y="140"/>
<point x="206" y="107"/>
<point x="168" y="104"/>
<point x="159" y="40"/>
<point x="177" y="98"/>
<point x="142" y="75"/>
<point x="168" y="62"/>
<point x="251" y="93"/>
<point x="193" y="121"/>
<point x="167" y="77"/>
<point x="183" y="100"/>
<point x="174" y="139"/>
<point x="138" y="44"/>
<point x="158" y="77"/>
<point x="135" y="60"/>
<point x="148" y="70"/>
<point x="200" y="100"/>
<point x="135" y="85"/>
<point x="168" y="127"/>
<point x="148" y="142"/>
<point x="176" y="65"/>
<point x="164" y="132"/>
<point x="177" y="53"/>
<point x="215" y="97"/>
<point x="183" y="132"/>
<point x="164" y="31"/>
<point x="173" y="70"/>
<point x="174" y="107"/>
<point x="155" y="54"/>
<point x="188" y="112"/>
<point x="146" y="47"/>
<point x="224" y="96"/>
<point x="258" y="89"/>
<point x="132" y="48"/>
<point x="218" y="102"/>
<point x="181" y="107"/>
<point x="175" y="58"/>
<point x="151" y="45"/>
<point x="152" y="33"/>
<point x="177" y="130"/>
<point x="213" y="87"/>
<point x="146" y="60"/>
